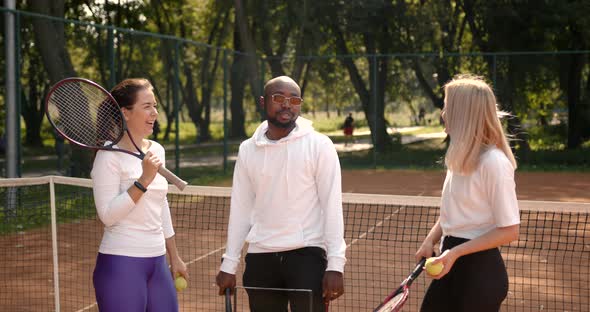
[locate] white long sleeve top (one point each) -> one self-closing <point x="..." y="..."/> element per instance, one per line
<point x="474" y="204"/>
<point x="131" y="229"/>
<point x="286" y="195"/>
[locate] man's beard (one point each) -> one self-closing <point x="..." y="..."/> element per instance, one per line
<point x="278" y="124"/>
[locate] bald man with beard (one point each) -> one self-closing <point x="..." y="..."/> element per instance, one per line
<point x="286" y="203"/>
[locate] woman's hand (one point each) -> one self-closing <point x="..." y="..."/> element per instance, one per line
<point x="150" y="165"/>
<point x="426" y="250"/>
<point x="178" y="267"/>
<point x="447" y="258"/>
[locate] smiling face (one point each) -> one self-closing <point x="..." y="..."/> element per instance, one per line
<point x="142" y="115"/>
<point x="282" y="101"/>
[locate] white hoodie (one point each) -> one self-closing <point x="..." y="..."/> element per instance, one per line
<point x="286" y="195"/>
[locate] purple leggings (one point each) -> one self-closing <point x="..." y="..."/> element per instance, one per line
<point x="133" y="284"/>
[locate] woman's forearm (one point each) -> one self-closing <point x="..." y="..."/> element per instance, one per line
<point x="491" y="239"/>
<point x="435" y="233"/>
<point x="171" y="247"/>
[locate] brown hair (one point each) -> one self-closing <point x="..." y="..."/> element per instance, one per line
<point x="125" y="93"/>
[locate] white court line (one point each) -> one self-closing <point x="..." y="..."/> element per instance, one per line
<point x="372" y="229"/>
<point x="187" y="263"/>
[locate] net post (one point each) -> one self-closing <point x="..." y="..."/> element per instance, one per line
<point x="54" y="244"/>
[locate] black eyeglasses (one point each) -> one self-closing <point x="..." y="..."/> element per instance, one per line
<point x="281" y="99"/>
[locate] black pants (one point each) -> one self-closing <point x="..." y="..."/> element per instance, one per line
<point x="294" y="269"/>
<point x="477" y="282"/>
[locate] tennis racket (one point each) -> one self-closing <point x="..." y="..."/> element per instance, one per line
<point x="227" y="300"/>
<point x="88" y="116"/>
<point x="395" y="300"/>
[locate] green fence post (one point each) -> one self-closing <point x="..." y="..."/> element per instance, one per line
<point x="225" y="111"/>
<point x="17" y="59"/>
<point x="374" y="130"/>
<point x="111" y="57"/>
<point x="494" y="70"/>
<point x="176" y="87"/>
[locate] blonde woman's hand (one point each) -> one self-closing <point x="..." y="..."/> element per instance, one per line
<point x="447" y="258"/>
<point x="426" y="250"/>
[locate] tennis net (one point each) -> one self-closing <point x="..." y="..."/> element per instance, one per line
<point x="49" y="235"/>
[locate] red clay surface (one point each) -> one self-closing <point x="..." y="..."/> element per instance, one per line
<point x="26" y="265"/>
<point x="549" y="186"/>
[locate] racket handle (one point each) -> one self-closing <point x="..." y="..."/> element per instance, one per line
<point x="172" y="178"/>
<point x="227" y="300"/>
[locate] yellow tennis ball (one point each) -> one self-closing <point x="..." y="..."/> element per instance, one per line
<point x="180" y="283"/>
<point x="433" y="269"/>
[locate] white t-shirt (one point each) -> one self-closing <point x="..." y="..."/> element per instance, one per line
<point x="131" y="229"/>
<point x="481" y="201"/>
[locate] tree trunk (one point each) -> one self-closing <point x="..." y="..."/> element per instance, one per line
<point x="505" y="96"/>
<point x="250" y="49"/>
<point x="504" y="91"/>
<point x="437" y="101"/>
<point x="237" y="83"/>
<point x="32" y="111"/>
<point x="373" y="107"/>
<point x="50" y="38"/>
<point x="574" y="84"/>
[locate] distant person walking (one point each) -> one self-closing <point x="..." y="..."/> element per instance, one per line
<point x="421" y="116"/>
<point x="348" y="129"/>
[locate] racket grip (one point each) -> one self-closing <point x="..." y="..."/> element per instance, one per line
<point x="172" y="178"/>
<point x="227" y="300"/>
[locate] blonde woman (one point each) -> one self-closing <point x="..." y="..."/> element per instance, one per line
<point x="479" y="211"/>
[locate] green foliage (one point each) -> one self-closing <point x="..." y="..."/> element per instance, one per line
<point x="33" y="207"/>
<point x="2" y="116"/>
<point x="212" y="175"/>
<point x="297" y="37"/>
<point x="547" y="137"/>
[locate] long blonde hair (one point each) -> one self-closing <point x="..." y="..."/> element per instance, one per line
<point x="472" y="120"/>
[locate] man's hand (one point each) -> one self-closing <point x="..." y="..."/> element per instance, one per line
<point x="225" y="280"/>
<point x="332" y="285"/>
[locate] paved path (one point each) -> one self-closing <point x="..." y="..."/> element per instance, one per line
<point x="213" y="160"/>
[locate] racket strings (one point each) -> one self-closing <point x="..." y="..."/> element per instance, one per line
<point x="85" y="114"/>
<point x="395" y="303"/>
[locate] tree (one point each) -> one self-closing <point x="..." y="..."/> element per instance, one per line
<point x="237" y="82"/>
<point x="491" y="26"/>
<point x="368" y="23"/>
<point x="249" y="52"/>
<point x="576" y="34"/>
<point x="50" y="40"/>
<point x="445" y="33"/>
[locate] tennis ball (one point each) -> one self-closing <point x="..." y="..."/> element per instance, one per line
<point x="180" y="283"/>
<point x="433" y="269"/>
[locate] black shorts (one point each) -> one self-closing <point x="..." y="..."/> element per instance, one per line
<point x="294" y="269"/>
<point x="477" y="282"/>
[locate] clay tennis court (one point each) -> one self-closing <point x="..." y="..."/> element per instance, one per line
<point x="549" y="186"/>
<point x="381" y="239"/>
